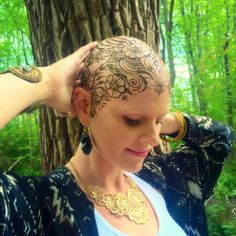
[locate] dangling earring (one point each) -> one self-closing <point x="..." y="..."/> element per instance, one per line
<point x="86" y="144"/>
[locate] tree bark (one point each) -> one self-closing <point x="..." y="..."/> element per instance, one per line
<point x="57" y="28"/>
<point x="200" y="87"/>
<point x="190" y="55"/>
<point x="168" y="22"/>
<point x="227" y="66"/>
<point x="196" y="80"/>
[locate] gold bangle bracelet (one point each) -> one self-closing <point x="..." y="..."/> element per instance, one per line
<point x="182" y="130"/>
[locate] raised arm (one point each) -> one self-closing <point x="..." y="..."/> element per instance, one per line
<point x="55" y="88"/>
<point x="200" y="158"/>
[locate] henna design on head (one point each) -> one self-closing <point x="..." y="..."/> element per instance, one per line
<point x="122" y="66"/>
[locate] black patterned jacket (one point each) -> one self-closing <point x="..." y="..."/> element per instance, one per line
<point x="55" y="205"/>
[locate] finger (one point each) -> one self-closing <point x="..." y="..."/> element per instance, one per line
<point x="77" y="83"/>
<point x="77" y="79"/>
<point x="80" y="55"/>
<point x="86" y="49"/>
<point x="82" y="58"/>
<point x="80" y="68"/>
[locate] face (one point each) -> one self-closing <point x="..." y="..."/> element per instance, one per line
<point x="129" y="88"/>
<point x="124" y="132"/>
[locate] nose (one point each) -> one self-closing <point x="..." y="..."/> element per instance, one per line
<point x="151" y="134"/>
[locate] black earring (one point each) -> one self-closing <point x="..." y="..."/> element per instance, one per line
<point x="86" y="144"/>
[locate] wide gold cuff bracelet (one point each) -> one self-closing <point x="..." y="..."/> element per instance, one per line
<point x="28" y="73"/>
<point x="182" y="130"/>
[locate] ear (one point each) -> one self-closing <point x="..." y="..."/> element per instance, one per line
<point x="81" y="102"/>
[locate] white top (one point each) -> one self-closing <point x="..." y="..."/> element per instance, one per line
<point x="167" y="226"/>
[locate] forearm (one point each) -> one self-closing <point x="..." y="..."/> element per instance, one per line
<point x="199" y="158"/>
<point x="17" y="94"/>
<point x="55" y="88"/>
<point x="209" y="134"/>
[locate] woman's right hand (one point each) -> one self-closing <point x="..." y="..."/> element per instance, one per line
<point x="59" y="79"/>
<point x="55" y="89"/>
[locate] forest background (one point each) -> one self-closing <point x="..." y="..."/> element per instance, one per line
<point x="198" y="44"/>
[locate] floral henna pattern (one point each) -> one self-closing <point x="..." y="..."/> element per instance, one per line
<point x="122" y="66"/>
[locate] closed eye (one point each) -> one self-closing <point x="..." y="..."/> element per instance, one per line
<point x="134" y="122"/>
<point x="131" y="122"/>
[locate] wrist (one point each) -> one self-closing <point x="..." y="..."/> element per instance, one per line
<point x="45" y="89"/>
<point x="170" y="124"/>
<point x="178" y="127"/>
<point x="176" y="124"/>
<point x="35" y="78"/>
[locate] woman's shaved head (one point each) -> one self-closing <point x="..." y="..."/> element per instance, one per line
<point x="122" y="66"/>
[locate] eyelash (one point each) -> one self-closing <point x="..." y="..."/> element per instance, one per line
<point x="132" y="122"/>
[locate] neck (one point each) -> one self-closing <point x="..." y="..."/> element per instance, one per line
<point x="94" y="170"/>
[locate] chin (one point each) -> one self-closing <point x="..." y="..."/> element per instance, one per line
<point x="135" y="168"/>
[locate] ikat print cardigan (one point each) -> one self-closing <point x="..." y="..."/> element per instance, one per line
<point x="54" y="205"/>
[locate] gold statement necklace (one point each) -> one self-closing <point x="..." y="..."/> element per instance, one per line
<point x="132" y="204"/>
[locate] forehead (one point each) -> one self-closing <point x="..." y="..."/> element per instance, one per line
<point x="147" y="103"/>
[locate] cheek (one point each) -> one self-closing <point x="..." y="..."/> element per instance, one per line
<point x="112" y="135"/>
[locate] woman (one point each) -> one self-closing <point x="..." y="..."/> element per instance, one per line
<point x="112" y="185"/>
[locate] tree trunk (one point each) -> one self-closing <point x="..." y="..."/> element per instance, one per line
<point x="168" y="22"/>
<point x="190" y="55"/>
<point x="196" y="81"/>
<point x="200" y="87"/>
<point x="227" y="67"/>
<point x="57" y="28"/>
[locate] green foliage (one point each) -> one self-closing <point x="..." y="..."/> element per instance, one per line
<point x="204" y="42"/>
<point x="222" y="206"/>
<point x="204" y="33"/>
<point x="19" y="142"/>
<point x="19" y="146"/>
<point x="15" y="47"/>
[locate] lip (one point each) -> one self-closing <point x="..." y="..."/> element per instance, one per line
<point x="139" y="153"/>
